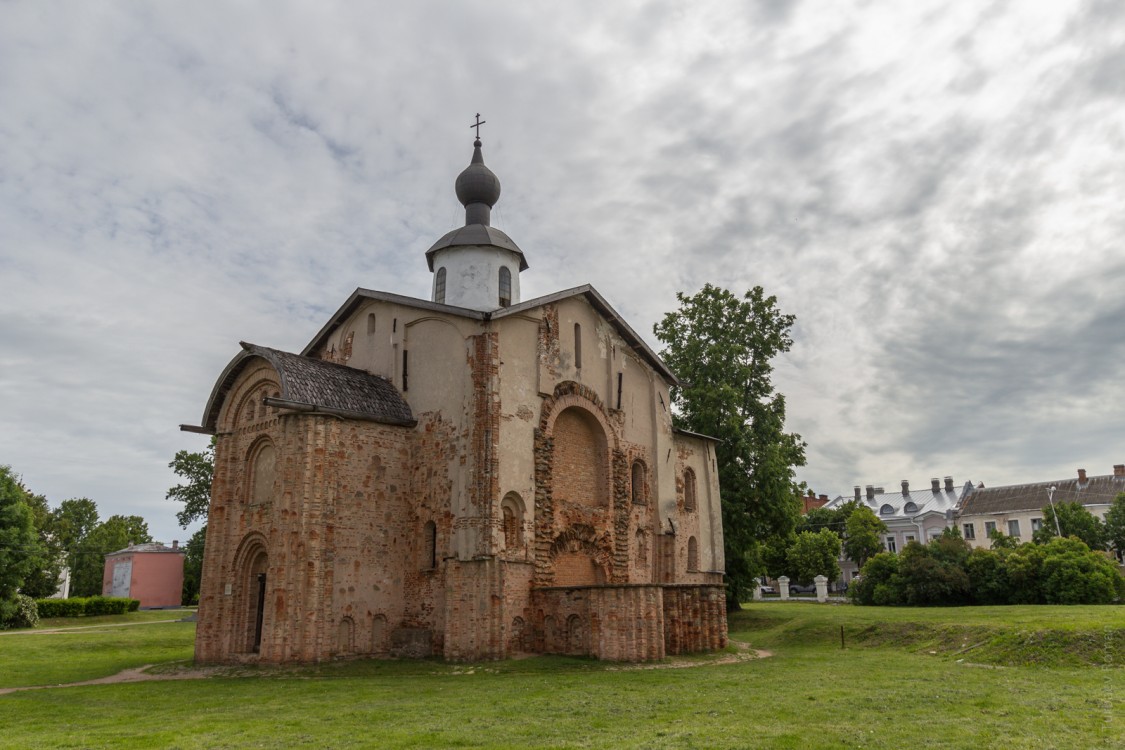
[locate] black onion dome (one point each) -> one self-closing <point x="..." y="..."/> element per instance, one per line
<point x="477" y="183"/>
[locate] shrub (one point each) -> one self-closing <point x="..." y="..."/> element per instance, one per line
<point x="23" y="613"/>
<point x="134" y="605"/>
<point x="878" y="572"/>
<point x="105" y="605"/>
<point x="926" y="579"/>
<point x="1073" y="574"/>
<point x="988" y="577"/>
<point x="75" y="607"/>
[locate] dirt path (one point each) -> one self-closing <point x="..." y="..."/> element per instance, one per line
<point x="138" y="674"/>
<point x="52" y="631"/>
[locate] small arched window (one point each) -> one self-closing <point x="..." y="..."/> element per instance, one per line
<point x="429" y="545"/>
<point x="692" y="554"/>
<point x="511" y="510"/>
<point x="642" y="548"/>
<point x="910" y="508"/>
<point x="370" y="324"/>
<point x="640" y="496"/>
<point x="505" y="286"/>
<point x="689" y="489"/>
<point x="886" y="510"/>
<point x="439" y="286"/>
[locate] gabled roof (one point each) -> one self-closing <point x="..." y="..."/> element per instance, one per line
<point x="361" y="296"/>
<point x="318" y="385"/>
<point x="1100" y="490"/>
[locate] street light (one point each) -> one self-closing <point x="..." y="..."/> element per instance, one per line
<point x="1055" y="513"/>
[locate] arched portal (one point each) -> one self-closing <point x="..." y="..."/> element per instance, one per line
<point x="252" y="564"/>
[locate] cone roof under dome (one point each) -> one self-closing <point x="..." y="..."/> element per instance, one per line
<point x="478" y="189"/>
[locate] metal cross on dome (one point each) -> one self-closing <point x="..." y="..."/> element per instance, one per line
<point x="479" y="122"/>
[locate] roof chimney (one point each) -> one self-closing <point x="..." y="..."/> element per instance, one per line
<point x="1118" y="471"/>
<point x="1082" y="476"/>
<point x="858" y="492"/>
<point x="935" y="485"/>
<point x="949" y="484"/>
<point x="905" y="487"/>
<point x="870" y="492"/>
<point x="175" y="544"/>
<point x="823" y="498"/>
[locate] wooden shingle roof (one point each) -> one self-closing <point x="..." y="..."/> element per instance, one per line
<point x="318" y="385"/>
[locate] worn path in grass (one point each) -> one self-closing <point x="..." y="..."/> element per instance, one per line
<point x="50" y="631"/>
<point x="141" y="674"/>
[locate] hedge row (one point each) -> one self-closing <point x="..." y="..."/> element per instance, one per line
<point x="88" y="606"/>
<point x="946" y="572"/>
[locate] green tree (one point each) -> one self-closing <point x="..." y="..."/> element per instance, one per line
<point x="863" y="539"/>
<point x="43" y="580"/>
<point x="115" y="533"/>
<point x="722" y="347"/>
<point x="1000" y="540"/>
<point x="193" y="567"/>
<point x="197" y="468"/>
<point x="815" y="554"/>
<point x="1074" y="520"/>
<point x="19" y="545"/>
<point x="1115" y="524"/>
<point x="72" y="522"/>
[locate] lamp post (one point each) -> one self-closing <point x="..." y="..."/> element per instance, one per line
<point x="1055" y="513"/>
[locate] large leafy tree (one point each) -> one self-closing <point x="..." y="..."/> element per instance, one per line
<point x="19" y="546"/>
<point x="815" y="554"/>
<point x="1115" y="524"/>
<point x="71" y="523"/>
<point x="1074" y="520"/>
<point x="113" y="534"/>
<point x="43" y="580"/>
<point x="722" y="347"/>
<point x="195" y="493"/>
<point x="863" y="535"/>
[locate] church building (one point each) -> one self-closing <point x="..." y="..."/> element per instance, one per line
<point x="471" y="476"/>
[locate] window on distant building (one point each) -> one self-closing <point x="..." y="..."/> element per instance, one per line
<point x="1036" y="524"/>
<point x="886" y="510"/>
<point x="970" y="532"/>
<point x="909" y="538"/>
<point x="1013" y="528"/>
<point x="910" y="508"/>
<point x="989" y="527"/>
<point x="891" y="544"/>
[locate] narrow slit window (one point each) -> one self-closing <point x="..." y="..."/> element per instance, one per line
<point x="620" y="378"/>
<point x="405" y="370"/>
<point x="577" y="345"/>
<point x="439" y="286"/>
<point x="505" y="287"/>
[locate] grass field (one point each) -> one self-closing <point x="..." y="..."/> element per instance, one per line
<point x="1028" y="679"/>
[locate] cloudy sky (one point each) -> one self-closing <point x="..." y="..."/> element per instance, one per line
<point x="935" y="189"/>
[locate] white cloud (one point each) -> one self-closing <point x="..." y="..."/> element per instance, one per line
<point x="933" y="188"/>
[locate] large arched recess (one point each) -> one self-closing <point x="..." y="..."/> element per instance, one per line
<point x="578" y="465"/>
<point x="251" y="620"/>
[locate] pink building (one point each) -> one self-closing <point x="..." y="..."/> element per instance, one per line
<point x="151" y="572"/>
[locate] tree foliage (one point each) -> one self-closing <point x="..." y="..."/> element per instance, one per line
<point x="1074" y="520"/>
<point x="43" y="579"/>
<point x="814" y="554"/>
<point x="863" y="540"/>
<point x="19" y="546"/>
<point x="722" y="348"/>
<point x="1115" y="524"/>
<point x="72" y="522"/>
<point x="195" y="494"/>
<point x="946" y="572"/>
<point x="193" y="566"/>
<point x="115" y="533"/>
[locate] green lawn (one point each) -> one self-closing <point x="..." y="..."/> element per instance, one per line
<point x="883" y="691"/>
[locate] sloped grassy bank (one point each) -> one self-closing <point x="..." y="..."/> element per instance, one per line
<point x="1051" y="636"/>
